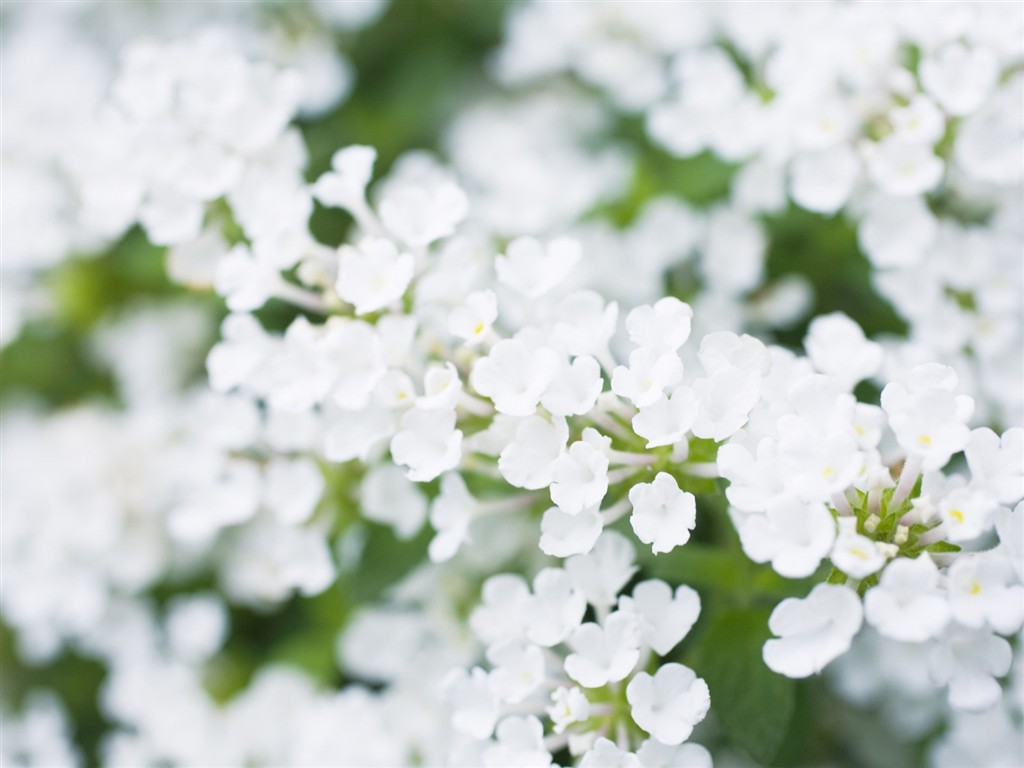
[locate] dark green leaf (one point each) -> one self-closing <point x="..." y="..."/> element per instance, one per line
<point x="753" y="704"/>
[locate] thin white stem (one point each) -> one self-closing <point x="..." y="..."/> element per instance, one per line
<point x="617" y="510"/>
<point x="608" y="424"/>
<point x="851" y="496"/>
<point x="475" y="405"/>
<point x="875" y="500"/>
<point x="556" y="742"/>
<point x="471" y="463"/>
<point x="627" y="457"/>
<point x="842" y="505"/>
<point x="507" y="504"/>
<point x="938" y="533"/>
<point x="301" y="297"/>
<point x="538" y="708"/>
<point x="911" y="470"/>
<point x="701" y="469"/>
<point x="622" y="473"/>
<point x="605" y="359"/>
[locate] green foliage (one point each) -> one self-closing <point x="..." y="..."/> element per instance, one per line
<point x="753" y="705"/>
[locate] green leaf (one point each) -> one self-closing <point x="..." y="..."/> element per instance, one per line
<point x="753" y="704"/>
<point x="943" y="546"/>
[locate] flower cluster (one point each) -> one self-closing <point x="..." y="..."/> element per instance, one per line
<point x="586" y="679"/>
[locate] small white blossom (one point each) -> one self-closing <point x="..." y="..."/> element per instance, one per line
<point x="603" y="654"/>
<point x="813" y="631"/>
<point x="663" y="515"/>
<point x="427" y="443"/>
<point x="908" y="604"/>
<point x="579" y="477"/>
<point x="374" y="275"/>
<point x="670" y="703"/>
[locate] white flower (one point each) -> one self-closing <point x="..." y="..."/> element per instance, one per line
<point x="528" y="461"/>
<point x="244" y="347"/>
<point x="818" y="462"/>
<point x="605" y="754"/>
<point x="853" y="554"/>
<point x="603" y="572"/>
<point x="427" y="443"/>
<point x="358" y="434"/>
<point x="668" y="419"/>
<point x="654" y="754"/>
<point x="908" y="604"/>
<point x="568" y="706"/>
<point x="244" y="280"/>
<point x="664" y="620"/>
<point x="533" y="268"/>
<point x="822" y="180"/>
<point x="356" y="351"/>
<point x="515" y="375"/>
<point x="556" y="608"/>
<point x="441" y="388"/>
<point x="966" y="514"/>
<point x="575" y="388"/>
<point x="919" y="121"/>
<point x="968" y="661"/>
<point x="395" y="390"/>
<point x="451" y="512"/>
<point x="505" y="602"/>
<point x="651" y="371"/>
<point x="813" y="631"/>
<point x="987" y="141"/>
<point x="579" y="477"/>
<point x="418" y="215"/>
<point x="564" y="534"/>
<point x="724" y="350"/>
<point x="474" y="706"/>
<point x="670" y="703"/>
<point x="958" y="78"/>
<point x="724" y="402"/>
<point x="753" y="481"/>
<point x="231" y="496"/>
<point x="345" y="185"/>
<point x="196" y="626"/>
<point x="268" y="561"/>
<point x="603" y="655"/>
<point x="518" y="670"/>
<point x="982" y="591"/>
<point x="902" y="167"/>
<point x="896" y="231"/>
<point x="387" y="496"/>
<point x="997" y="464"/>
<point x="292" y="488"/>
<point x="520" y="743"/>
<point x="373" y="275"/>
<point x="663" y="515"/>
<point x="666" y="324"/>
<point x="582" y="323"/>
<point x="928" y="419"/>
<point x="473" y="319"/>
<point x="837" y="347"/>
<point x="793" y="535"/>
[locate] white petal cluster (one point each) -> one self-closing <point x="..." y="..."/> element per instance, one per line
<point x="566" y="682"/>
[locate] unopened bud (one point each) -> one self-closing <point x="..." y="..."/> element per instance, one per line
<point x="902" y="532"/>
<point x="871" y="524"/>
<point x="888" y="550"/>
